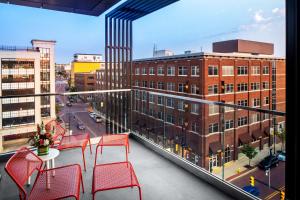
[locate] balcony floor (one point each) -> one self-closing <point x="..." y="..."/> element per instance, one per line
<point x="159" y="178"/>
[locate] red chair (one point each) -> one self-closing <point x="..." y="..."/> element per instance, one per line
<point x="65" y="183"/>
<point x="62" y="142"/>
<point x="113" y="140"/>
<point x="114" y="176"/>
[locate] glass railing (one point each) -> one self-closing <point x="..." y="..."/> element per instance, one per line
<point x="244" y="146"/>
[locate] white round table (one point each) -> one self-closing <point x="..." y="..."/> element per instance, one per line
<point x="53" y="153"/>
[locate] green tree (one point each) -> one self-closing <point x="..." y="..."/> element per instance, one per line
<point x="249" y="152"/>
<point x="282" y="136"/>
<point x="57" y="108"/>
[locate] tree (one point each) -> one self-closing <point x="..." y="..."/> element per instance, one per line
<point x="249" y="152"/>
<point x="282" y="136"/>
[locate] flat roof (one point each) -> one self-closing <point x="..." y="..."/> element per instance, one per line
<point x="88" y="54"/>
<point x="135" y="9"/>
<point x="86" y="7"/>
<point x="205" y="54"/>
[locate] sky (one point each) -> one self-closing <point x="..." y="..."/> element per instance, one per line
<point x="185" y="25"/>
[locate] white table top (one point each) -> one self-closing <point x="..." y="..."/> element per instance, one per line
<point x="53" y="153"/>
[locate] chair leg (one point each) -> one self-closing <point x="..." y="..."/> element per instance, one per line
<point x="90" y="145"/>
<point x="101" y="149"/>
<point x="140" y="192"/>
<point x="82" y="183"/>
<point x="96" y="156"/>
<point x="83" y="157"/>
<point x="126" y="149"/>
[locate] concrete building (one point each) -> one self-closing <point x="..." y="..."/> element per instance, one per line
<point x="239" y="76"/>
<point x="85" y="63"/>
<point x="25" y="71"/>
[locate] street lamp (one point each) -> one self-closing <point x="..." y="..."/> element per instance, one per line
<point x="268" y="173"/>
<point x="183" y="140"/>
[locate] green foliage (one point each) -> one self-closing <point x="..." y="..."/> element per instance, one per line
<point x="282" y="136"/>
<point x="249" y="152"/>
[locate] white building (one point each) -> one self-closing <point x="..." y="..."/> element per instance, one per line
<point x="25" y="72"/>
<point x="87" y="57"/>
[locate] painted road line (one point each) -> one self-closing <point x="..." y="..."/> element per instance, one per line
<point x="75" y="114"/>
<point x="270" y="196"/>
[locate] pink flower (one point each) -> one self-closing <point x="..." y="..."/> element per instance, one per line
<point x="41" y="142"/>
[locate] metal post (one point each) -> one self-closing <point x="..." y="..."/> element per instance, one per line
<point x="222" y="121"/>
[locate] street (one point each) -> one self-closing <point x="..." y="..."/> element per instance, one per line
<point x="261" y="181"/>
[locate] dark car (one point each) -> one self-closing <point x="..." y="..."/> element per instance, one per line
<point x="80" y="126"/>
<point x="69" y="104"/>
<point x="268" y="162"/>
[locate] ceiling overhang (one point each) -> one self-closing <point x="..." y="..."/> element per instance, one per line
<point x="86" y="7"/>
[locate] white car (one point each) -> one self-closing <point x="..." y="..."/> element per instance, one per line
<point x="92" y="115"/>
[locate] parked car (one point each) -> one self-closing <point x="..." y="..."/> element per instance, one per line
<point x="92" y="115"/>
<point x="281" y="155"/>
<point x="69" y="104"/>
<point x="268" y="162"/>
<point x="80" y="126"/>
<point x="98" y="119"/>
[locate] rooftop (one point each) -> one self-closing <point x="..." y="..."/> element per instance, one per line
<point x="159" y="178"/>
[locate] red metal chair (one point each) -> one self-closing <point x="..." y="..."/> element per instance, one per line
<point x="65" y="183"/>
<point x="61" y="141"/>
<point x="113" y="140"/>
<point x="114" y="176"/>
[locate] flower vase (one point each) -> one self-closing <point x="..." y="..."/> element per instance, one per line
<point x="43" y="150"/>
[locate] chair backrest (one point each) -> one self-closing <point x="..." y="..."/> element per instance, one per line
<point x="59" y="131"/>
<point x="20" y="166"/>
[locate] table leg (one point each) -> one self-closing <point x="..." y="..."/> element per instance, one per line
<point x="53" y="166"/>
<point x="29" y="178"/>
<point x="47" y="174"/>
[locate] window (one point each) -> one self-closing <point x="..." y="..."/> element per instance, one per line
<point x="255" y="118"/>
<point x="160" y="115"/>
<point x="227" y="156"/>
<point x="213" y="128"/>
<point x="160" y="85"/>
<point x="160" y="71"/>
<point x="256" y="102"/>
<point x="160" y="100"/>
<point x="243" y="102"/>
<point x="170" y="102"/>
<point x="151" y="112"/>
<point x="229" y="124"/>
<point x="180" y="105"/>
<point x="213" y="89"/>
<point x="151" y="71"/>
<point x="171" y="86"/>
<point x="242" y="87"/>
<point x="180" y="87"/>
<point x="137" y="94"/>
<point x="255" y="70"/>
<point x="266" y="100"/>
<point x="242" y="121"/>
<point x="144" y="71"/>
<point x="266" y="70"/>
<point x="151" y="98"/>
<point x="137" y="83"/>
<point x="144" y="96"/>
<point x="228" y="109"/>
<point x="195" y="127"/>
<point x="213" y="109"/>
<point x="195" y="108"/>
<point x="144" y="84"/>
<point x="194" y="89"/>
<point x="213" y="71"/>
<point x="265" y="116"/>
<point x="265" y="85"/>
<point x="195" y="71"/>
<point x="229" y="88"/>
<point x="137" y="71"/>
<point x="171" y="71"/>
<point x="152" y="84"/>
<point x="227" y="70"/>
<point x="170" y="119"/>
<point x="182" y="71"/>
<point x="255" y="86"/>
<point x="242" y="70"/>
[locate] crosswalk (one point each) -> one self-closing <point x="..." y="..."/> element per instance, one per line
<point x="270" y="196"/>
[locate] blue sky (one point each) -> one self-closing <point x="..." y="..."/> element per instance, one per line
<point x="185" y="25"/>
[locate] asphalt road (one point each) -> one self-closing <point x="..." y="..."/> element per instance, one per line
<point x="262" y="181"/>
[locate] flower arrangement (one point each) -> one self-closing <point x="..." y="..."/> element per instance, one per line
<point x="42" y="140"/>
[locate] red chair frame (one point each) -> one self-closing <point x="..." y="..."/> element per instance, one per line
<point x="113" y="140"/>
<point x="19" y="170"/>
<point x="69" y="142"/>
<point x="112" y="176"/>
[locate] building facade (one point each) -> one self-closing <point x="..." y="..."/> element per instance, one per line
<point x="247" y="79"/>
<point x="85" y="82"/>
<point x="24" y="72"/>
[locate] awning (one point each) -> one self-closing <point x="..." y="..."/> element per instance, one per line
<point x="245" y="138"/>
<point x="215" y="147"/>
<point x="258" y="134"/>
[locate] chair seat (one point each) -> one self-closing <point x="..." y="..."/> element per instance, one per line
<point x="73" y="141"/>
<point x="114" y="140"/>
<point x="65" y="183"/>
<point x="114" y="176"/>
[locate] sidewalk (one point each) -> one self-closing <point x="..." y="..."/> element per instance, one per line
<point x="232" y="168"/>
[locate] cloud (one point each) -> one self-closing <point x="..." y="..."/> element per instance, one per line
<point x="278" y="11"/>
<point x="259" y="17"/>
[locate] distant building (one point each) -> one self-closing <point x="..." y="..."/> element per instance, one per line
<point x="85" y="63"/>
<point x="161" y="53"/>
<point x="245" y="73"/>
<point x="85" y="82"/>
<point x="25" y="71"/>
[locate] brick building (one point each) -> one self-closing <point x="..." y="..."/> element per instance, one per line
<point x="85" y="82"/>
<point x="236" y="72"/>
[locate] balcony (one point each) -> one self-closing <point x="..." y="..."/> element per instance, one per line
<point x="159" y="178"/>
